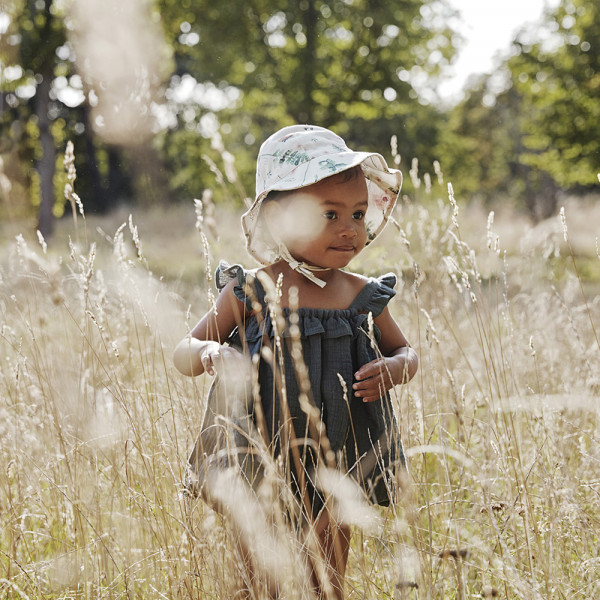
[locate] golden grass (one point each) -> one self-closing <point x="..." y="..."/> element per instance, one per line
<point x="500" y="425"/>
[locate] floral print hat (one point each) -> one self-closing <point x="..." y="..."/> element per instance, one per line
<point x="300" y="155"/>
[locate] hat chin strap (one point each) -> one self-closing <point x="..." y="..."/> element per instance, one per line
<point x="301" y="267"/>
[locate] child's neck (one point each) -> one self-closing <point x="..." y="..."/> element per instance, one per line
<point x="298" y="279"/>
<point x="340" y="291"/>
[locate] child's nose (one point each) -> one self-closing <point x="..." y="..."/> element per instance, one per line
<point x="348" y="228"/>
<point x="348" y="225"/>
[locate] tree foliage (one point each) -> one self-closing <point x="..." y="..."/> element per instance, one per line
<point x="38" y="30"/>
<point x="482" y="152"/>
<point x="559" y="79"/>
<point x="243" y="69"/>
<point x="44" y="107"/>
<point x="344" y="64"/>
<point x="532" y="128"/>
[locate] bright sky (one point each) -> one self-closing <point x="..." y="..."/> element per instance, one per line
<point x="489" y="27"/>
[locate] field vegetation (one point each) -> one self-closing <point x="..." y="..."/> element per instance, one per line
<point x="501" y="425"/>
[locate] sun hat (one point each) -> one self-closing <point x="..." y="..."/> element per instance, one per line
<point x="298" y="156"/>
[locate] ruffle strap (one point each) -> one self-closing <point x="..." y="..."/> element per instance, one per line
<point x="226" y="273"/>
<point x="376" y="295"/>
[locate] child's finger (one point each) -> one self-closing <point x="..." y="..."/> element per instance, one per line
<point x="369" y="389"/>
<point x="372" y="394"/>
<point x="371" y="399"/>
<point x="371" y="369"/>
<point x="366" y="384"/>
<point x="208" y="364"/>
<point x="380" y="378"/>
<point x="229" y="363"/>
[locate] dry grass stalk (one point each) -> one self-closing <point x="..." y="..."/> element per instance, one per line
<point x="500" y="429"/>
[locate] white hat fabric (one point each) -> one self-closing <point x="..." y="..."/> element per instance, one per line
<point x="300" y="155"/>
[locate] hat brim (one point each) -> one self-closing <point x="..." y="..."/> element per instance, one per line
<point x="383" y="186"/>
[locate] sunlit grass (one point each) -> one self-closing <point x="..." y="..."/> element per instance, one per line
<point x="500" y="425"/>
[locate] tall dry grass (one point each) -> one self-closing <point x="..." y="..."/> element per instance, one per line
<point x="500" y="425"/>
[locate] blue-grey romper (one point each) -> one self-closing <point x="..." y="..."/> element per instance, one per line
<point x="364" y="436"/>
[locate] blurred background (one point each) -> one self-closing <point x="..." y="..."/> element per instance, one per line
<point x="128" y="110"/>
<point x="164" y="99"/>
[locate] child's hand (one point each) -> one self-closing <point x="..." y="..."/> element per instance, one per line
<point x="373" y="379"/>
<point x="223" y="359"/>
<point x="382" y="374"/>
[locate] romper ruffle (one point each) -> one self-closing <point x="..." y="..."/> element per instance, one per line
<point x="335" y="344"/>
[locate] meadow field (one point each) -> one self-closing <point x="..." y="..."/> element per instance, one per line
<point x="501" y="425"/>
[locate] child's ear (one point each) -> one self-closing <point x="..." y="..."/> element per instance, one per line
<point x="272" y="212"/>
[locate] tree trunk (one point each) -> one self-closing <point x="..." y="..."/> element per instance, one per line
<point x="150" y="186"/>
<point x="46" y="166"/>
<point x="307" y="106"/>
<point x="98" y="202"/>
<point x="118" y="184"/>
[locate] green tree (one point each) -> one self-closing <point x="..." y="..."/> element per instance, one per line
<point x="559" y="81"/>
<point x="482" y="150"/>
<point x="48" y="101"/>
<point x="258" y="65"/>
<point x="36" y="32"/>
<point x="532" y="128"/>
<point x="343" y="64"/>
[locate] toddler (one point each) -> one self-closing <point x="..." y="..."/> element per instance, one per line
<point x="317" y="205"/>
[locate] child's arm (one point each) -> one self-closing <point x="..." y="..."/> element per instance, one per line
<point x="202" y="349"/>
<point x="398" y="364"/>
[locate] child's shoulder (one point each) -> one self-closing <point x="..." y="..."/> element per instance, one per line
<point x="355" y="281"/>
<point x="365" y="294"/>
<point x="359" y="281"/>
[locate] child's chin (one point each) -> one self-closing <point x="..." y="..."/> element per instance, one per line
<point x="341" y="261"/>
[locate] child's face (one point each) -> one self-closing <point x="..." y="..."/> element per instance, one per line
<point x="323" y="224"/>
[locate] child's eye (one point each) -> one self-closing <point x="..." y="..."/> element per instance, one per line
<point x="359" y="215"/>
<point x="330" y="214"/>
